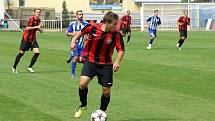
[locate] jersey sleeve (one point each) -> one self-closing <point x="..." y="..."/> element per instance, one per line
<point x="180" y="20"/>
<point x="149" y="19"/>
<point x="86" y="29"/>
<point x="188" y="21"/>
<point x="70" y="28"/>
<point x="119" y="42"/>
<point x="123" y="18"/>
<point x="159" y="21"/>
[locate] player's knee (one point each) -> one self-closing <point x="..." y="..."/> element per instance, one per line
<point x="76" y="59"/>
<point x="182" y="38"/>
<point x="22" y="52"/>
<point x="106" y="92"/>
<point x="83" y="82"/>
<point x="82" y="85"/>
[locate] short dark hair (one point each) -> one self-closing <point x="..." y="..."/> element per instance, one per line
<point x="155" y="11"/>
<point x="78" y="11"/>
<point x="110" y="16"/>
<point x="35" y="9"/>
<point x="185" y="11"/>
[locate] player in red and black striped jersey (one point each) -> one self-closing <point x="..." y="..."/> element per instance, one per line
<point x="29" y="40"/>
<point x="103" y="38"/>
<point x="183" y="22"/>
<point x="126" y="25"/>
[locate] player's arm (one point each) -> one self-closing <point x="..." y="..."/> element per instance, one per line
<point x="147" y="21"/>
<point x="40" y="29"/>
<point x="188" y="21"/>
<point x="122" y="20"/>
<point x="179" y="22"/>
<point x="70" y="31"/>
<point x="120" y="52"/>
<point x="159" y="24"/>
<point x="33" y="28"/>
<point x="84" y="31"/>
<point x="69" y="34"/>
<point x="74" y="39"/>
<point x="30" y="25"/>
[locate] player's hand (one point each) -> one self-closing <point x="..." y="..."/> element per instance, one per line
<point x="40" y="30"/>
<point x="115" y="67"/>
<point x="73" y="46"/>
<point x="39" y="26"/>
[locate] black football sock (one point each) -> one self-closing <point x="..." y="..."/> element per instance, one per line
<point x="128" y="38"/>
<point x="104" y="102"/>
<point x="151" y="41"/>
<point x="83" y="96"/>
<point x="181" y="43"/>
<point x="18" y="57"/>
<point x="33" y="59"/>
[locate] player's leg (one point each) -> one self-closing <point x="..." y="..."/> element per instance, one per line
<point x="87" y="73"/>
<point x="36" y="50"/>
<point x="74" y="60"/>
<point x="70" y="57"/>
<point x="105" y="98"/>
<point x="181" y="39"/>
<point x="106" y="80"/>
<point x="152" y="37"/>
<point x="129" y="35"/>
<point x="73" y="66"/>
<point x="24" y="46"/>
<point x="18" y="57"/>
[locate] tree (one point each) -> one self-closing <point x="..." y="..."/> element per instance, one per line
<point x="65" y="15"/>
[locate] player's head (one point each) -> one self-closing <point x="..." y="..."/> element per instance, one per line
<point x="156" y="12"/>
<point x="79" y="15"/>
<point x="128" y="12"/>
<point x="185" y="12"/>
<point x="37" y="12"/>
<point x="110" y="19"/>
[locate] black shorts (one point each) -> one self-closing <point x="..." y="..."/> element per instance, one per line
<point x="25" y="46"/>
<point x="103" y="72"/>
<point x="183" y="33"/>
<point x="125" y="30"/>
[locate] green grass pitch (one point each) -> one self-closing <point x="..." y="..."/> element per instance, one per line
<point x="162" y="84"/>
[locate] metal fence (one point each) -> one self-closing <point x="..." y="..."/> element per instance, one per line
<point x="201" y="14"/>
<point x="15" y="25"/>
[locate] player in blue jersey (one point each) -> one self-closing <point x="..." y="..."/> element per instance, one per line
<point x="153" y="24"/>
<point x="72" y="30"/>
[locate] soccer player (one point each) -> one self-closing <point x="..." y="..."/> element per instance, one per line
<point x="126" y="25"/>
<point x="97" y="55"/>
<point x="153" y="24"/>
<point x="73" y="28"/>
<point x="29" y="40"/>
<point x="182" y="23"/>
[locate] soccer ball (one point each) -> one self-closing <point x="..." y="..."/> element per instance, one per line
<point x="98" y="115"/>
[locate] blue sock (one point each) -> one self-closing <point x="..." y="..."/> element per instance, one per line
<point x="73" y="67"/>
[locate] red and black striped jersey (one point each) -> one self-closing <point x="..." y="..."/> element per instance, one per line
<point x="100" y="45"/>
<point x="30" y="35"/>
<point x="184" y="21"/>
<point x="127" y="19"/>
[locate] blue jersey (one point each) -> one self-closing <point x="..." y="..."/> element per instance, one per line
<point x="153" y="22"/>
<point x="77" y="27"/>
